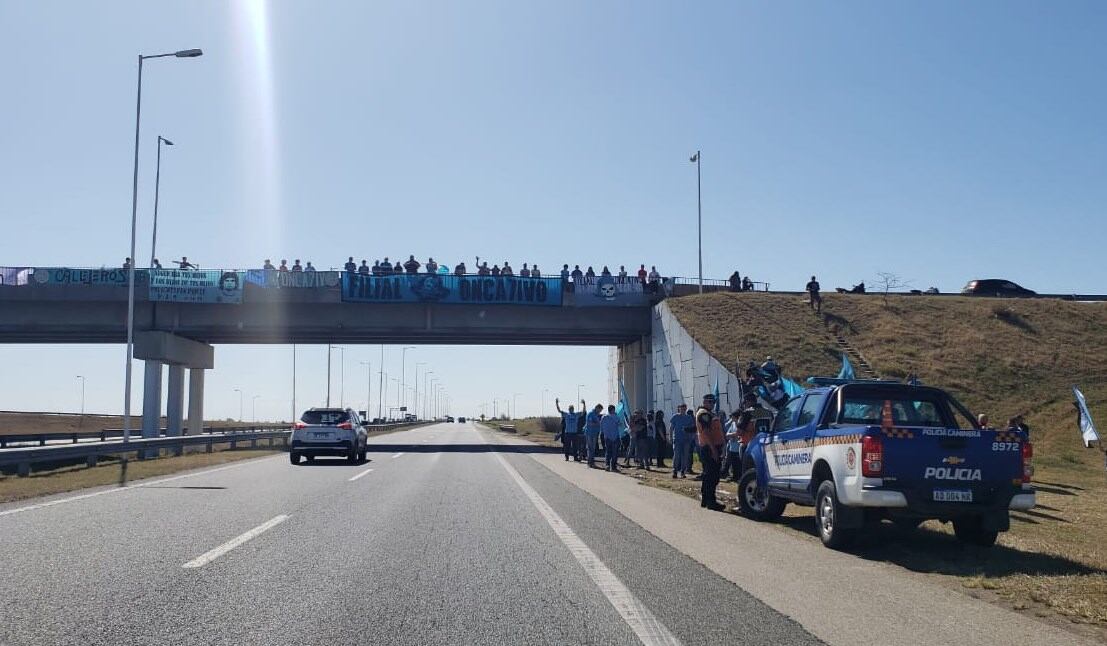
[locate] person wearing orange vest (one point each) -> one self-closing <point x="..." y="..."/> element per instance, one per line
<point x="709" y="433"/>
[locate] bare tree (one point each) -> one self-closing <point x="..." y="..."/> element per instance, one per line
<point x="888" y="281"/>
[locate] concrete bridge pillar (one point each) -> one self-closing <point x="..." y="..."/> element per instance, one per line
<point x="158" y="349"/>
<point x="195" y="401"/>
<point x="633" y="369"/>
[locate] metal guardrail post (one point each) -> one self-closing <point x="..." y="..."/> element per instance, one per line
<point x="209" y="447"/>
<point x="24" y="469"/>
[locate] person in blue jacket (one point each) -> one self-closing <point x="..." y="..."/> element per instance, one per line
<point x="611" y="427"/>
<point x="570" y="437"/>
<point x="592" y="433"/>
<point x="679" y="425"/>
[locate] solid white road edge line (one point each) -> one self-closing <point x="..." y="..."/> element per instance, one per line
<point x="209" y="556"/>
<point x="363" y="473"/>
<point x="142" y="483"/>
<point x="650" y="631"/>
<point x="397" y="455"/>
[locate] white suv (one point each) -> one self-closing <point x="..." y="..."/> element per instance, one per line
<point x="328" y="431"/>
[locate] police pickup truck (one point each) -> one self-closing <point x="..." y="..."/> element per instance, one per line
<point x="862" y="451"/>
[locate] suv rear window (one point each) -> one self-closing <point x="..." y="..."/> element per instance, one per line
<point x="910" y="407"/>
<point x="325" y="417"/>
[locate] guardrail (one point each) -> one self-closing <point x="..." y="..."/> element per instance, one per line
<point x="90" y="452"/>
<point x="104" y="435"/>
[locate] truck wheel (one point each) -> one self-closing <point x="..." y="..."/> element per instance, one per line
<point x="827" y="512"/>
<point x="294" y="457"/>
<point x="756" y="504"/>
<point x="969" y="530"/>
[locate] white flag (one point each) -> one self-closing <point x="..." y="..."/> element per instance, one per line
<point x="1087" y="427"/>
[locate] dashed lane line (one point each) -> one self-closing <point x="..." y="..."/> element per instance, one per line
<point x="211" y="555"/>
<point x="362" y="474"/>
<point x="397" y="455"/>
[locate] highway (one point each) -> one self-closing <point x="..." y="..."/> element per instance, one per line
<point x="446" y="535"/>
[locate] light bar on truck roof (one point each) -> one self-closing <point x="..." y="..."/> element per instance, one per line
<point x="837" y="381"/>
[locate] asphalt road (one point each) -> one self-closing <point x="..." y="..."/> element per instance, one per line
<point x="443" y="541"/>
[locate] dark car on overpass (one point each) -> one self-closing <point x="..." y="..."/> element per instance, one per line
<point x="995" y="287"/>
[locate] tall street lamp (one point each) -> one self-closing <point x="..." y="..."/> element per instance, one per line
<point x="184" y="53"/>
<point x="254" y="407"/>
<point x="380" y="388"/>
<point x="403" y="368"/>
<point x="579" y="386"/>
<point x="695" y="159"/>
<point x="368" y="385"/>
<point x="157" y="189"/>
<point x="514" y="406"/>
<point x="341" y="375"/>
<point x="239" y="391"/>
<point x="415" y="403"/>
<point x="426" y="392"/>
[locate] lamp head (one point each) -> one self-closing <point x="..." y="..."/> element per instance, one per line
<point x="188" y="53"/>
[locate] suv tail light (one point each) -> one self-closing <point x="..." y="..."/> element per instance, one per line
<point x="1027" y="458"/>
<point x="299" y="425"/>
<point x="872" y="456"/>
<point x="346" y="426"/>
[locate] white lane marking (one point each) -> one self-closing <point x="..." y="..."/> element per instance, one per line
<point x="51" y="503"/>
<point x="209" y="556"/>
<point x="650" y="631"/>
<point x="363" y="473"/>
<point x="397" y="455"/>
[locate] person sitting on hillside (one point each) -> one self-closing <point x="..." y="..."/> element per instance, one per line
<point x="747" y="284"/>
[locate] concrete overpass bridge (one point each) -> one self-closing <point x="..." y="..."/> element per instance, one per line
<point x="180" y="315"/>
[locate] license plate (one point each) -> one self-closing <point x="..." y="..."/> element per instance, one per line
<point x="945" y="495"/>
<point x="321" y="435"/>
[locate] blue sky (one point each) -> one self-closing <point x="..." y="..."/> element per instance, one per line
<point x="941" y="141"/>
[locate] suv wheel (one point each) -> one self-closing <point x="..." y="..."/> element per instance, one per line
<point x="756" y="504"/>
<point x="351" y="457"/>
<point x="969" y="530"/>
<point x="827" y="513"/>
<point x="294" y="457"/>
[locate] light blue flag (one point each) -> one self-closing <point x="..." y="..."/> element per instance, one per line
<point x="1087" y="427"/>
<point x="622" y="409"/>
<point x="847" y="369"/>
<point x="791" y="388"/>
<point x="718" y="404"/>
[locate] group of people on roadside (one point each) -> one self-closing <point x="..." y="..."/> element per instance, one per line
<point x="645" y="438"/>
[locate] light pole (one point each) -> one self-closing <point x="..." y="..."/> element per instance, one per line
<point x="239" y="391"/>
<point x="579" y="386"/>
<point x="514" y="406"/>
<point x="82" y="378"/>
<point x="157" y="188"/>
<point x="382" y="393"/>
<point x="403" y="377"/>
<point x="184" y="53"/>
<point x="426" y="392"/>
<point x="328" y="375"/>
<point x="341" y="376"/>
<point x="380" y="387"/>
<point x="416" y="402"/>
<point x="368" y="385"/>
<point x="399" y="390"/>
<point x="699" y="216"/>
<point x="430" y="405"/>
<point x="254" y="407"/>
<point x="293" y="383"/>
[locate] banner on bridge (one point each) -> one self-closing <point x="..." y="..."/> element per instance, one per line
<point x="12" y="276"/>
<point x="272" y="278"/>
<point x="608" y="291"/>
<point x="195" y="286"/>
<point x="69" y="276"/>
<point x="439" y="288"/>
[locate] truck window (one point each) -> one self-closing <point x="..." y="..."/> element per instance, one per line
<point x="784" y="418"/>
<point x="907" y="409"/>
<point x="810" y="411"/>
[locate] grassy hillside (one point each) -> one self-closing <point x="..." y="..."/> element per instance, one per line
<point x="999" y="357"/>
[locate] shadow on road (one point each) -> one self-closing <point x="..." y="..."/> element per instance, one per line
<point x="461" y="448"/>
<point x="930" y="551"/>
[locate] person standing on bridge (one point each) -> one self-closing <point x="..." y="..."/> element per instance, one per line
<point x="412" y="265"/>
<point x="709" y="435"/>
<point x="283" y="268"/>
<point x="432" y="266"/>
<point x="534" y="273"/>
<point x="364" y="269"/>
<point x="592" y="433"/>
<point x="460" y="269"/>
<point x="525" y="271"/>
<point x="570" y="436"/>
<point x="268" y="266"/>
<point x="507" y="270"/>
<point x="296" y="266"/>
<point x="611" y="427"/>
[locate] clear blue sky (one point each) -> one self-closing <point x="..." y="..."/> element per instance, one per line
<point x="941" y="141"/>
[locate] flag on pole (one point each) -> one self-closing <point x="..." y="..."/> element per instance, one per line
<point x="847" y="369"/>
<point x="1087" y="427"/>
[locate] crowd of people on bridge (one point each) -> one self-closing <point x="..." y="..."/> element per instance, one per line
<point x="647" y="439"/>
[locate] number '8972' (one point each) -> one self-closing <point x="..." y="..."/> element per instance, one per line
<point x="1005" y="446"/>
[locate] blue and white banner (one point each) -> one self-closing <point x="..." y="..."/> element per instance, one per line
<point x="67" y="276"/>
<point x="196" y="286"/>
<point x="439" y="288"/>
<point x="13" y="276"/>
<point x="272" y="278"/>
<point x="1087" y="427"/>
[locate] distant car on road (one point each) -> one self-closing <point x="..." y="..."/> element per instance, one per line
<point x="995" y="287"/>
<point x="461" y="420"/>
<point x="449" y="419"/>
<point x="328" y="431"/>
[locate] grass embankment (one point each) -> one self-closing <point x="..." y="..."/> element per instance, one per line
<point x="111" y="472"/>
<point x="540" y="430"/>
<point x="999" y="357"/>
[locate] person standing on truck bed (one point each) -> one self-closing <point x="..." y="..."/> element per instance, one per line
<point x="709" y="434"/>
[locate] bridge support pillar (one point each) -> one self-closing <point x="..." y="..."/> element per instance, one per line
<point x="174" y="406"/>
<point x="633" y="370"/>
<point x="195" y="401"/>
<point x="151" y="404"/>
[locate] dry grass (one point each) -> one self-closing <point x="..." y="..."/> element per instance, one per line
<point x="999" y="357"/>
<point x="540" y="430"/>
<point x="60" y="480"/>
